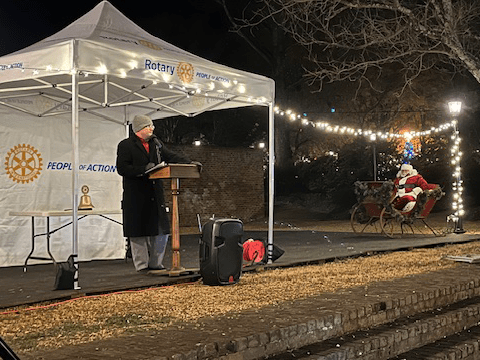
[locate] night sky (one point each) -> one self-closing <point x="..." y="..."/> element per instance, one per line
<point x="200" y="27"/>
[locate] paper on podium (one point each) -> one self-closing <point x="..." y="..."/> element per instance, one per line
<point x="156" y="167"/>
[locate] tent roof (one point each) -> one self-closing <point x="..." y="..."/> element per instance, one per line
<point x="121" y="64"/>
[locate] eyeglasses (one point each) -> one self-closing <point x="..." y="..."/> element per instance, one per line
<point x="150" y="126"/>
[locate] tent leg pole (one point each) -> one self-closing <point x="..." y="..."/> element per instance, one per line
<point x="271" y="180"/>
<point x="75" y="167"/>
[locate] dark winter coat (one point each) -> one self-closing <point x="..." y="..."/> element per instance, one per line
<point x="143" y="203"/>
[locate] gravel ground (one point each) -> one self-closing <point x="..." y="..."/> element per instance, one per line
<point x="93" y="318"/>
<point x="89" y="319"/>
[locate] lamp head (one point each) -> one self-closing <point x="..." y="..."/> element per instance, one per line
<point x="454" y="107"/>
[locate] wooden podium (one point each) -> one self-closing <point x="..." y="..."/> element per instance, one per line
<point x="175" y="172"/>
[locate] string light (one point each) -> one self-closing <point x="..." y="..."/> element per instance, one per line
<point x="344" y="130"/>
<point x="102" y="69"/>
<point x="457" y="186"/>
<point x="370" y="135"/>
<point x="409" y="153"/>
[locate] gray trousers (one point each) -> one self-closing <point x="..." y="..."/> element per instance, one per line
<point x="148" y="251"/>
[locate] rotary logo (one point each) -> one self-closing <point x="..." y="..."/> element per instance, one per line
<point x="185" y="72"/>
<point x="23" y="163"/>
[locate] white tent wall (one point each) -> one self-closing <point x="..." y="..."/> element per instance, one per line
<point x="108" y="69"/>
<point x="46" y="144"/>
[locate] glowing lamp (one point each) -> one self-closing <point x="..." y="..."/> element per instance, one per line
<point x="454" y="107"/>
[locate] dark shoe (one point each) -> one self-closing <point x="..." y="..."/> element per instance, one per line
<point x="143" y="271"/>
<point x="158" y="268"/>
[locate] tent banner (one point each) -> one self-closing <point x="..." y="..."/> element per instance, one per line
<point x="37" y="176"/>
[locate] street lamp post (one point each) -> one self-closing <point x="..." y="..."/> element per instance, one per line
<point x="454" y="108"/>
<point x="373" y="139"/>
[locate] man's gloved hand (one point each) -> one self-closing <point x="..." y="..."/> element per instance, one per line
<point x="199" y="165"/>
<point x="149" y="166"/>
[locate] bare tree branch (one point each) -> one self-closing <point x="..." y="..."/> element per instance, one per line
<point x="239" y="30"/>
<point x="347" y="38"/>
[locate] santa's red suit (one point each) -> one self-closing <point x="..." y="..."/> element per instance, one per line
<point x="408" y="185"/>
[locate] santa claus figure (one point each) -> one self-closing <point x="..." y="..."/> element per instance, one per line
<point x="408" y="185"/>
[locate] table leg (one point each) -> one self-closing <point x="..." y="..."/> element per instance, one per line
<point x="33" y="245"/>
<point x="47" y="234"/>
<point x="48" y="241"/>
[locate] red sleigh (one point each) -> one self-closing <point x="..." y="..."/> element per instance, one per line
<point x="374" y="211"/>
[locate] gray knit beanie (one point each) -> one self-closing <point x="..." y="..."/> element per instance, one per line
<point x="141" y="121"/>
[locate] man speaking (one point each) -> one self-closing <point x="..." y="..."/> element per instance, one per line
<point x="145" y="219"/>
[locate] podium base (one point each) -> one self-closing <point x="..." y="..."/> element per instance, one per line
<point x="173" y="272"/>
<point x="157" y="272"/>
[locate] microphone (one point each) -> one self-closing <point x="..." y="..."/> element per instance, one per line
<point x="155" y="139"/>
<point x="158" y="147"/>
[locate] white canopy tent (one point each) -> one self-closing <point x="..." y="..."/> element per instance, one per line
<point x="106" y="67"/>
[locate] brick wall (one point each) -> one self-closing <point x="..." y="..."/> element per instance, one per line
<point x="230" y="185"/>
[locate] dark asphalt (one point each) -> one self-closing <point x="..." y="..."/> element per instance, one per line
<point x="301" y="247"/>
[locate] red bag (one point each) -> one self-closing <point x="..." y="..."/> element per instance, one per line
<point x="253" y="250"/>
